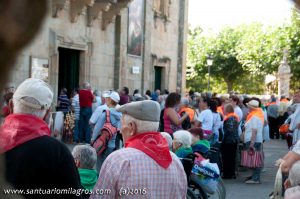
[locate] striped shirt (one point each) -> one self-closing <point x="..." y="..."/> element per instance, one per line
<point x="64" y="103"/>
<point x="76" y="106"/>
<point x="130" y="168"/>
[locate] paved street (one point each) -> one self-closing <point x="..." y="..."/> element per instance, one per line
<point x="237" y="189"/>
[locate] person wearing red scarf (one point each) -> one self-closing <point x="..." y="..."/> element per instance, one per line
<point x="34" y="160"/>
<point x="145" y="166"/>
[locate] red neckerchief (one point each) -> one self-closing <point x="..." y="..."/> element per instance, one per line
<point x="154" y="145"/>
<point x="230" y="115"/>
<point x="20" y="128"/>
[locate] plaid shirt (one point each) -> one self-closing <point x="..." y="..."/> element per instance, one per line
<point x="130" y="168"/>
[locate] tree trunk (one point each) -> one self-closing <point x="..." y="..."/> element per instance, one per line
<point x="229" y="85"/>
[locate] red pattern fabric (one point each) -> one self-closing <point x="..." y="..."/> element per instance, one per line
<point x="154" y="145"/>
<point x="20" y="128"/>
<point x="252" y="160"/>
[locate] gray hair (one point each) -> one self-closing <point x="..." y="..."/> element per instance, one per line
<point x="292" y="193"/>
<point x="183" y="137"/>
<point x="23" y="109"/>
<point x="294" y="174"/>
<point x="142" y="126"/>
<point x="168" y="138"/>
<point x="86" y="85"/>
<point x="86" y="155"/>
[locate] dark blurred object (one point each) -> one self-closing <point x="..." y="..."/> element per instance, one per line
<point x="20" y="20"/>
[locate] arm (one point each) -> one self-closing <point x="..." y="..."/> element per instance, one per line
<point x="98" y="126"/>
<point x="171" y="113"/>
<point x="253" y="137"/>
<point x="289" y="159"/>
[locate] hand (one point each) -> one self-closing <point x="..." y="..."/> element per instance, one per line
<point x="287" y="184"/>
<point x="298" y="126"/>
<point x="251" y="145"/>
<point x="279" y="162"/>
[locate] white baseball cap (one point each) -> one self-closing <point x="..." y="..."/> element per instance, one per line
<point x="36" y="89"/>
<point x="112" y="95"/>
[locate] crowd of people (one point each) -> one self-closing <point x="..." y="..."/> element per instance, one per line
<point x="157" y="130"/>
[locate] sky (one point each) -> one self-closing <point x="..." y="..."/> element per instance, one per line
<point x="215" y="14"/>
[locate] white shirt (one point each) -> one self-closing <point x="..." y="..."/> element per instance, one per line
<point x="97" y="113"/>
<point x="216" y="123"/>
<point x="239" y="112"/>
<point x="295" y="120"/>
<point x="206" y="119"/>
<point x="254" y="123"/>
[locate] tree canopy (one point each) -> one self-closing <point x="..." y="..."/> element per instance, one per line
<point x="242" y="56"/>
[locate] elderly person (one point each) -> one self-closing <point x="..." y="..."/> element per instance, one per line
<point x="230" y="141"/>
<point x="112" y="100"/>
<point x="86" y="99"/>
<point x="199" y="144"/>
<point x="182" y="143"/>
<point x="292" y="193"/>
<point x="34" y="160"/>
<point x="85" y="159"/>
<point x="168" y="138"/>
<point x="290" y="158"/>
<point x="294" y="176"/>
<point x="145" y="164"/>
<point x="172" y="120"/>
<point x="253" y="136"/>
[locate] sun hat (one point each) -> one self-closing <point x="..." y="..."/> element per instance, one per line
<point x="112" y="95"/>
<point x="36" y="89"/>
<point x="146" y="110"/>
<point x="253" y="104"/>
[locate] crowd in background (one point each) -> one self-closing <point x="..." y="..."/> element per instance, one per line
<point x="191" y="123"/>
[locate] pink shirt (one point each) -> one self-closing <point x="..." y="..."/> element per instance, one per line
<point x="133" y="169"/>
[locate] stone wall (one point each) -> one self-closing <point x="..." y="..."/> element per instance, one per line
<point x="104" y="60"/>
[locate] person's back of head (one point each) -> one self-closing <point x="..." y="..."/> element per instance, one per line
<point x="228" y="108"/>
<point x="85" y="156"/>
<point x="292" y="193"/>
<point x="172" y="100"/>
<point x="294" y="174"/>
<point x="125" y="90"/>
<point x="33" y="97"/>
<point x="168" y="138"/>
<point x="86" y="85"/>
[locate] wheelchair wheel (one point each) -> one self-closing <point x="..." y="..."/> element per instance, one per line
<point x="220" y="192"/>
<point x="190" y="194"/>
<point x="198" y="191"/>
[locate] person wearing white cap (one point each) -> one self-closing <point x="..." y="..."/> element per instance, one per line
<point x="146" y="163"/>
<point x="34" y="160"/>
<point x="253" y="135"/>
<point x="112" y="99"/>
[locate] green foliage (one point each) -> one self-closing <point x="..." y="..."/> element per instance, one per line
<point x="242" y="56"/>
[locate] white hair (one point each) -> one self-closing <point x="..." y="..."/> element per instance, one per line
<point x="294" y="174"/>
<point x="86" y="155"/>
<point x="168" y="138"/>
<point x="142" y="126"/>
<point x="86" y="85"/>
<point x="183" y="137"/>
<point x="20" y="108"/>
<point x="292" y="193"/>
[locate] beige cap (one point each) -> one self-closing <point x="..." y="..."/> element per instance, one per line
<point x="253" y="104"/>
<point x="36" y="89"/>
<point x="146" y="110"/>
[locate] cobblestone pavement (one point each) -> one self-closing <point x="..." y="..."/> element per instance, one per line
<point x="237" y="189"/>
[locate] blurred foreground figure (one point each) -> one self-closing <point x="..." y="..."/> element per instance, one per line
<point x="20" y="20"/>
<point x="34" y="160"/>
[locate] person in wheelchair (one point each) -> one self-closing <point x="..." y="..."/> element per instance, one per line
<point x="199" y="144"/>
<point x="182" y="143"/>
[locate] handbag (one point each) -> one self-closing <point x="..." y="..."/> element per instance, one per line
<point x="283" y="129"/>
<point x="252" y="158"/>
<point x="278" y="192"/>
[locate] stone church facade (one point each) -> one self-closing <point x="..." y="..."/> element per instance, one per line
<point x="140" y="44"/>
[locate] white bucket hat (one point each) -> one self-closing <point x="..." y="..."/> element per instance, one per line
<point x="37" y="89"/>
<point x="112" y="95"/>
<point x="253" y="104"/>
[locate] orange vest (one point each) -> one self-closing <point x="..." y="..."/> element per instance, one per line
<point x="231" y="114"/>
<point x="220" y="110"/>
<point x="189" y="111"/>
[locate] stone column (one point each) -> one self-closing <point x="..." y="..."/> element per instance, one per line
<point x="284" y="75"/>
